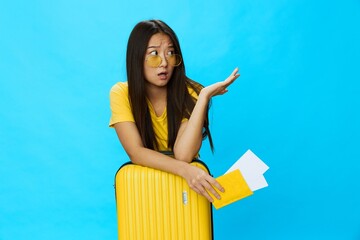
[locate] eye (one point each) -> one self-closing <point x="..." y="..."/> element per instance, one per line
<point x="154" y="53"/>
<point x="170" y="53"/>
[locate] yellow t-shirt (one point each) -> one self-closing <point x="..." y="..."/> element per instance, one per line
<point x="121" y="112"/>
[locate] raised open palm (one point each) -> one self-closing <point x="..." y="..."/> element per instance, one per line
<point x="220" y="88"/>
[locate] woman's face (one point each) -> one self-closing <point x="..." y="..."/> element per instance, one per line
<point x="161" y="45"/>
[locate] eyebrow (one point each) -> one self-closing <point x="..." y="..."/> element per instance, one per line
<point x="170" y="46"/>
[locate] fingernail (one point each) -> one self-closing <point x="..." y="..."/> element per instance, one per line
<point x="218" y="197"/>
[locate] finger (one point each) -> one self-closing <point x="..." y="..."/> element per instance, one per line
<point x="211" y="190"/>
<point x="207" y="184"/>
<point x="201" y="184"/>
<point x="200" y="190"/>
<point x="195" y="189"/>
<point x="216" y="184"/>
<point x="228" y="81"/>
<point x="222" y="92"/>
<point x="237" y="74"/>
<point x="236" y="70"/>
<point x="233" y="76"/>
<point x="205" y="194"/>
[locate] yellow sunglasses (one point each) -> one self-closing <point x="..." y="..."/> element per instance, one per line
<point x="155" y="60"/>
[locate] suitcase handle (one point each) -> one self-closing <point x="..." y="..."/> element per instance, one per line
<point x="170" y="153"/>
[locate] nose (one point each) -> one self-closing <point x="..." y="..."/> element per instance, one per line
<point x="164" y="61"/>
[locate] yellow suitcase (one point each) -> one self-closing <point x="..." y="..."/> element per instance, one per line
<point x="156" y="205"/>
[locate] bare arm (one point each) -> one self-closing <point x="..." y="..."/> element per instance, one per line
<point x="189" y="139"/>
<point x="186" y="146"/>
<point x="131" y="141"/>
<point x="197" y="179"/>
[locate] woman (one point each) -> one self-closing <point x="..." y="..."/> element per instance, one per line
<point x="160" y="109"/>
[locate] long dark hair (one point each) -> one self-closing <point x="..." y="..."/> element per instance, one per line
<point x="179" y="102"/>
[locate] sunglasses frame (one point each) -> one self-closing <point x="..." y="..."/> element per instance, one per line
<point x="161" y="59"/>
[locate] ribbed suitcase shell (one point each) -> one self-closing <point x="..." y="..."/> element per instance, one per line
<point x="156" y="205"/>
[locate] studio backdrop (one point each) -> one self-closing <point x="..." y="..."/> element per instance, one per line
<point x="296" y="106"/>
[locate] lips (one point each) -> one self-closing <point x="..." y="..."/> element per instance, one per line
<point x="163" y="75"/>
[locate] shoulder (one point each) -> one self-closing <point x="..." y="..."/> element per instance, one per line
<point x="119" y="104"/>
<point x="119" y="92"/>
<point x="120" y="87"/>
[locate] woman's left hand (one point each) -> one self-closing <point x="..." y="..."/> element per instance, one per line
<point x="201" y="182"/>
<point x="220" y="88"/>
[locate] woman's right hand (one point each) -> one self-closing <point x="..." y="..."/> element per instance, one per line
<point x="201" y="182"/>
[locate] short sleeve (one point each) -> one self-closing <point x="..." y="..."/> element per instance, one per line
<point x="120" y="105"/>
<point x="193" y="93"/>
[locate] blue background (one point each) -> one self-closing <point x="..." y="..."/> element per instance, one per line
<point x="296" y="105"/>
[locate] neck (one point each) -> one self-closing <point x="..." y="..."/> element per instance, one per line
<point x="156" y="94"/>
<point x="157" y="98"/>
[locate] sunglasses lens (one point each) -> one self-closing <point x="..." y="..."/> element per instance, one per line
<point x="153" y="61"/>
<point x="174" y="60"/>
